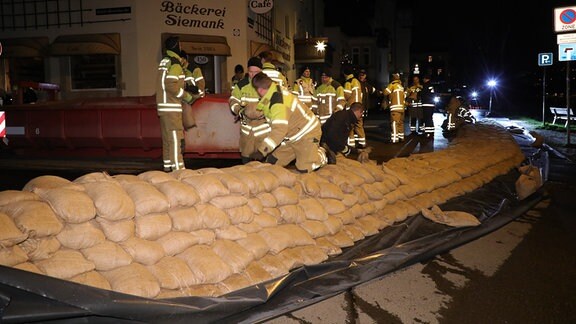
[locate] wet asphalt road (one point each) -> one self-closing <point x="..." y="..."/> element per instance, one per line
<point x="522" y="273"/>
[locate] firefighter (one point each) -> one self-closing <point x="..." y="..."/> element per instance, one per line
<point x="368" y="90"/>
<point x="170" y="94"/>
<point x="336" y="129"/>
<point x="304" y="88"/>
<point x="395" y="93"/>
<point x="295" y="130"/>
<point x="352" y="94"/>
<point x="243" y="102"/>
<point x="414" y="103"/>
<point x="428" y="105"/>
<point x="270" y="69"/>
<point x="457" y="114"/>
<point x="329" y="97"/>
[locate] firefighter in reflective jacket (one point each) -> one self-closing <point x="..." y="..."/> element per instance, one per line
<point x="295" y="130"/>
<point x="170" y="94"/>
<point x="458" y="114"/>
<point x="352" y="94"/>
<point x="395" y="93"/>
<point x="304" y="88"/>
<point x="329" y="97"/>
<point x="243" y="101"/>
<point x="270" y="69"/>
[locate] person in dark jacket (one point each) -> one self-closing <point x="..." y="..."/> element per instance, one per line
<point x="428" y="105"/>
<point x="336" y="129"/>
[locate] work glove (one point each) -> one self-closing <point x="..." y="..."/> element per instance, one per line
<point x="257" y="156"/>
<point x="193" y="89"/>
<point x="364" y="154"/>
<point x="239" y="116"/>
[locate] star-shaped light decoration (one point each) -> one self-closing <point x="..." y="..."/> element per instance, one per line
<point x="320" y="46"/>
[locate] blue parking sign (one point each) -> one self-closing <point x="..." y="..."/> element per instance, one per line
<point x="545" y="59"/>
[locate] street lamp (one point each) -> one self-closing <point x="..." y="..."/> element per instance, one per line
<point x="492" y="84"/>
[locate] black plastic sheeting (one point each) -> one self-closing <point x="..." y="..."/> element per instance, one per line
<point x="29" y="297"/>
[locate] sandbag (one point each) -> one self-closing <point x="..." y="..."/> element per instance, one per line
<point x="9" y="233"/>
<point x="72" y="206"/>
<point x="35" y="218"/>
<point x="133" y="279"/>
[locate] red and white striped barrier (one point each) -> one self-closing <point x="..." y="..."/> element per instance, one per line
<point x="2" y="124"/>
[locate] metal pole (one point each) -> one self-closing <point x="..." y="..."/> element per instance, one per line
<point x="490" y="104"/>
<point x="568" y="102"/>
<point x="543" y="96"/>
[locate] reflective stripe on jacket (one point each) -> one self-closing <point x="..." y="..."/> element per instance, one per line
<point x="395" y="91"/>
<point x="352" y="90"/>
<point x="170" y="86"/>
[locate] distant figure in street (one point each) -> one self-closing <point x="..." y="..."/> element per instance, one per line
<point x="395" y="93"/>
<point x="368" y="91"/>
<point x="428" y="105"/>
<point x="336" y="129"/>
<point x="414" y="103"/>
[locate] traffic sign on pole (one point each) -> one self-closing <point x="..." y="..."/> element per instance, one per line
<point x="565" y="19"/>
<point x="545" y="59"/>
<point x="567" y="52"/>
<point x="566" y="38"/>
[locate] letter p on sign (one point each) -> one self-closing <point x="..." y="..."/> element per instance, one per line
<point x="545" y="59"/>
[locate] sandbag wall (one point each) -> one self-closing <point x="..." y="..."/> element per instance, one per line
<point x="211" y="231"/>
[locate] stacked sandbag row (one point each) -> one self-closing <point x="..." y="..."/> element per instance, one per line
<point x="210" y="231"/>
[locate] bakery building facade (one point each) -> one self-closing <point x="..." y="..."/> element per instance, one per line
<point x="108" y="48"/>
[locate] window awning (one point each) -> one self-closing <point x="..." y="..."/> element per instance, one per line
<point x="86" y="44"/>
<point x="202" y="44"/>
<point x="25" y="47"/>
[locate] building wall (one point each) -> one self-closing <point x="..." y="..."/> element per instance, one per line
<point x="142" y="27"/>
<point x="141" y="31"/>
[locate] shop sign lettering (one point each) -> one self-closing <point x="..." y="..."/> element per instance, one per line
<point x="195" y="16"/>
<point x="261" y="6"/>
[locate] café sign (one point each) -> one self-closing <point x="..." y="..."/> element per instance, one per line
<point x="261" y="6"/>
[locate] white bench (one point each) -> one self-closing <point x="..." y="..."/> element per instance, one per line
<point x="562" y="114"/>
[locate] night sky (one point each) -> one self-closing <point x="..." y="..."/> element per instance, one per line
<point x="488" y="37"/>
<point x="499" y="39"/>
